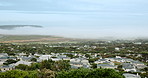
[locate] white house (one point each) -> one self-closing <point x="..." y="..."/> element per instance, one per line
<point x="79" y="62"/>
<point x="6" y="68"/>
<point x="128" y="75"/>
<point x="138" y="64"/>
<point x="128" y="67"/>
<point x="106" y="66"/>
<point x="21" y="62"/>
<point x="44" y="57"/>
<point x="101" y="61"/>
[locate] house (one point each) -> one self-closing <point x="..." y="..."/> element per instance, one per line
<point x="24" y="58"/>
<point x="22" y="62"/>
<point x="128" y="75"/>
<point x="128" y="60"/>
<point x="106" y="66"/>
<point x="136" y="63"/>
<point x="110" y="63"/>
<point x="66" y="58"/>
<point x="13" y="58"/>
<point x="21" y="54"/>
<point x="76" y="65"/>
<point x="139" y="64"/>
<point x="101" y="61"/>
<point x="128" y="67"/>
<point x="79" y="62"/>
<point x="3" y="55"/>
<point x="117" y="59"/>
<point x="6" y="68"/>
<point x="3" y="59"/>
<point x="117" y="49"/>
<point x="55" y="59"/>
<point x="63" y="57"/>
<point x="44" y="57"/>
<point x="137" y="43"/>
<point x="1" y="62"/>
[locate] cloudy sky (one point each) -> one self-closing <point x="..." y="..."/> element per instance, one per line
<point x="77" y="18"/>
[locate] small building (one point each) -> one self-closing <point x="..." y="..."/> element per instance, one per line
<point x="44" y="57"/>
<point x="106" y="66"/>
<point x="117" y="49"/>
<point x="22" y="62"/>
<point x="139" y="64"/>
<point x="3" y="55"/>
<point x="56" y="59"/>
<point x="66" y="58"/>
<point x="128" y="75"/>
<point x="3" y="59"/>
<point x="79" y="62"/>
<point x="101" y="61"/>
<point x="136" y="63"/>
<point x="6" y="68"/>
<point x="128" y="67"/>
<point x="117" y="59"/>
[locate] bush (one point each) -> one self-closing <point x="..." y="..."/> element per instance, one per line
<point x="90" y="73"/>
<point x="74" y="73"/>
<point x="104" y="73"/>
<point x="19" y="74"/>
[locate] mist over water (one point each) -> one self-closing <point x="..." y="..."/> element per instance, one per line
<point x="79" y="32"/>
<point x="76" y="18"/>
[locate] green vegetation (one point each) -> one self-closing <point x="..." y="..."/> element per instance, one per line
<point x="89" y="73"/>
<point x="34" y="59"/>
<point x="47" y="64"/>
<point x="10" y="61"/>
<point x="61" y="69"/>
<point x="73" y="73"/>
<point x="19" y="74"/>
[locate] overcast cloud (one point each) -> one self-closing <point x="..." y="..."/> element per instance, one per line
<point x="76" y="18"/>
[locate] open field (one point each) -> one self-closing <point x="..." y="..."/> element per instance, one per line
<point x="36" y="39"/>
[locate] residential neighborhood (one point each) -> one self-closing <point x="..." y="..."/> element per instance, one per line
<point x="94" y="55"/>
<point x="128" y="65"/>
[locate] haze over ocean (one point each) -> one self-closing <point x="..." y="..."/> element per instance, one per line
<point x="77" y="18"/>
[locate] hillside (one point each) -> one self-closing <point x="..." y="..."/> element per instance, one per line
<point x="32" y="38"/>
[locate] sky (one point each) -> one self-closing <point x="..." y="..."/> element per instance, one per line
<point x="76" y="18"/>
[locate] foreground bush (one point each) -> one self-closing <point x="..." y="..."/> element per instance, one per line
<point x="19" y="74"/>
<point x="88" y="73"/>
<point x="73" y="73"/>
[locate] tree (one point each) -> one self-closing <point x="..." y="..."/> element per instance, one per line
<point x="104" y="73"/>
<point x="34" y="66"/>
<point x="70" y="55"/>
<point x="92" y="60"/>
<point x="94" y="65"/>
<point x="87" y="56"/>
<point x="61" y="65"/>
<point x="11" y="53"/>
<point x="47" y="64"/>
<point x="10" y="61"/>
<point x="22" y="67"/>
<point x="145" y="69"/>
<point x="89" y="73"/>
<point x="19" y="74"/>
<point x="46" y="73"/>
<point x="74" y="73"/>
<point x="144" y="75"/>
<point x="34" y="59"/>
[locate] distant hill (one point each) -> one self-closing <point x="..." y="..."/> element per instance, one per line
<point x="31" y="38"/>
<point x="10" y="27"/>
